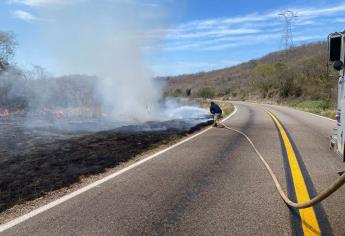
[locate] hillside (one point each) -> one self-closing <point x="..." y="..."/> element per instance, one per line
<point x="297" y="74"/>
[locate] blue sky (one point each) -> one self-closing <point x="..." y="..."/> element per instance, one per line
<point x="192" y="35"/>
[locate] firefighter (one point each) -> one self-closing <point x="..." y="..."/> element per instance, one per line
<point x="216" y="112"/>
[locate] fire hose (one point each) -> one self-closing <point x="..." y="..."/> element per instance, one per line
<point x="320" y="197"/>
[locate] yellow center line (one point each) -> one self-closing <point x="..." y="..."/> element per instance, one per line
<point x="310" y="224"/>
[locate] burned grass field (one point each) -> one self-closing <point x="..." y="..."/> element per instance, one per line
<point x="36" y="161"/>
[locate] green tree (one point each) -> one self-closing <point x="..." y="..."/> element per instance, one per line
<point x="7" y="49"/>
<point x="265" y="70"/>
<point x="206" y="93"/>
<point x="286" y="84"/>
<point x="188" y="92"/>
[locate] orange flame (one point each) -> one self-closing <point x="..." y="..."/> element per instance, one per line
<point x="59" y="114"/>
<point x="5" y="113"/>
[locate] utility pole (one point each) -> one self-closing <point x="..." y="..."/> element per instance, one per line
<point x="287" y="38"/>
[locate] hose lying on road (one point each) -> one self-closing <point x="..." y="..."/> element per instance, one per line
<point x="323" y="195"/>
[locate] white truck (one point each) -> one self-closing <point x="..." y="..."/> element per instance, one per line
<point x="336" y="55"/>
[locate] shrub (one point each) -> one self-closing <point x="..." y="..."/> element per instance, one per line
<point x="177" y="92"/>
<point x="188" y="92"/>
<point x="206" y="93"/>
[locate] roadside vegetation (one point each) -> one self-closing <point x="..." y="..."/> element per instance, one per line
<point x="320" y="107"/>
<point x="298" y="78"/>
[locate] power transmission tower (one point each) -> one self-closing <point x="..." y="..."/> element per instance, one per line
<point x="287" y="38"/>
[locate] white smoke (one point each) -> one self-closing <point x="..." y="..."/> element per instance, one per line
<point x="107" y="39"/>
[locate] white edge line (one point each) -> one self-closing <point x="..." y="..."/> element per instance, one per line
<point x="65" y="198"/>
<point x="324" y="117"/>
<point x="265" y="104"/>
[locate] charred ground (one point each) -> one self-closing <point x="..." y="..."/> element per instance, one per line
<point x="37" y="164"/>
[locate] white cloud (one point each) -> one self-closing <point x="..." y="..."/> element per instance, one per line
<point x="210" y="23"/>
<point x="37" y="3"/>
<point x="203" y="34"/>
<point x="313" y="12"/>
<point x="150" y="4"/>
<point x="223" y="42"/>
<point x="221" y="33"/>
<point x="183" y="67"/>
<point x="308" y="38"/>
<point x="34" y="3"/>
<point x="305" y="22"/>
<point x="23" y="15"/>
<point x="340" y="20"/>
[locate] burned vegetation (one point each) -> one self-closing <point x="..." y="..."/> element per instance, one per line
<point x="54" y="130"/>
<point x="37" y="161"/>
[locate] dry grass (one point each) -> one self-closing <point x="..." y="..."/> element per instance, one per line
<point x="308" y="106"/>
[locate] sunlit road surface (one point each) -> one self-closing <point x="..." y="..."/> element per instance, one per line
<point x="215" y="185"/>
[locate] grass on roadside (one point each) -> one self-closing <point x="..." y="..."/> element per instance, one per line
<point x="319" y="107"/>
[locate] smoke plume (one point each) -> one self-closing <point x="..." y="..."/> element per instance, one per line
<point x="107" y="39"/>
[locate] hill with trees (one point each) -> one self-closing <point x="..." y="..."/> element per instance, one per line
<point x="296" y="75"/>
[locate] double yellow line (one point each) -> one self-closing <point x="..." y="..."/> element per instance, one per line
<point x="309" y="221"/>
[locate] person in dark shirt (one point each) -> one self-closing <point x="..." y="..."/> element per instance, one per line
<point x="216" y="111"/>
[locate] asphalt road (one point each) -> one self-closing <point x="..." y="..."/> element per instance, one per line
<point x="211" y="185"/>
